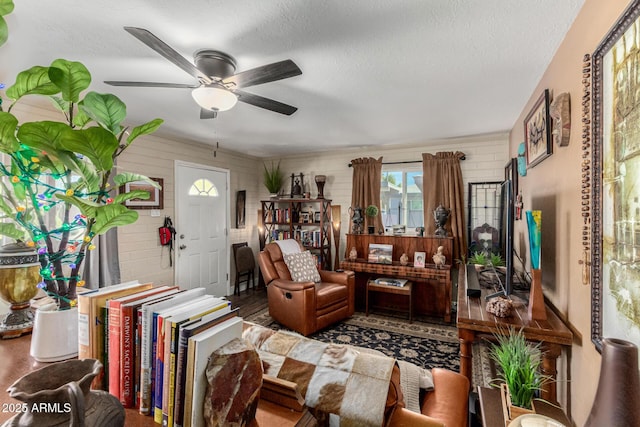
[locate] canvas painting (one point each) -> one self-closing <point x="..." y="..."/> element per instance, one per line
<point x="380" y="254"/>
<point x="616" y="182"/>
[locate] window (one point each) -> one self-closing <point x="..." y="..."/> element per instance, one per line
<point x="203" y="187"/>
<point x="401" y="197"/>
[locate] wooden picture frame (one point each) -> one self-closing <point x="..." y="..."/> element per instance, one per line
<point x="241" y="200"/>
<point x="156" y="199"/>
<point x="537" y="131"/>
<point x="615" y="182"/>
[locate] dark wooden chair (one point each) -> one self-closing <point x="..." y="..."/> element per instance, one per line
<point x="245" y="266"/>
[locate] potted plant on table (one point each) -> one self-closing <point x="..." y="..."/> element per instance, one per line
<point x="371" y="212"/>
<point x="519" y="376"/>
<point x="273" y="179"/>
<point x="55" y="191"/>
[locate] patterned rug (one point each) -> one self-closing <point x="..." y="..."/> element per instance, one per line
<point x="424" y="344"/>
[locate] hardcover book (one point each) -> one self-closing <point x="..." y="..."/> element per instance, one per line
<point x="199" y="349"/>
<point x="146" y="343"/>
<point x="189" y="329"/>
<point x="115" y="337"/>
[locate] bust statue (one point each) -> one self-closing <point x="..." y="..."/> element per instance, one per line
<point x="441" y="215"/>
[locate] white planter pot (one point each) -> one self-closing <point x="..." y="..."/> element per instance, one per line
<point x="55" y="335"/>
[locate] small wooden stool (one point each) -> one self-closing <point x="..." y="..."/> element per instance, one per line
<point x="372" y="286"/>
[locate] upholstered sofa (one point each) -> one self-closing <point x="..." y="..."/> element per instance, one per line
<point x="445" y="403"/>
<point x="305" y="306"/>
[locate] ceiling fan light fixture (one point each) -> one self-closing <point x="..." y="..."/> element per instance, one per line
<point x="214" y="98"/>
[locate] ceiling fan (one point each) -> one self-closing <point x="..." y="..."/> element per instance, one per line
<point x="218" y="88"/>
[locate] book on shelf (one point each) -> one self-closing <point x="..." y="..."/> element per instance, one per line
<point x="188" y="330"/>
<point x="116" y="338"/>
<point x="199" y="348"/>
<point x="146" y="347"/>
<point x="390" y="281"/>
<point x="165" y="387"/>
<point x="91" y="324"/>
<point x="129" y="378"/>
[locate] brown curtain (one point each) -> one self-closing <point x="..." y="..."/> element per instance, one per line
<point x="367" y="175"/>
<point x="442" y="185"/>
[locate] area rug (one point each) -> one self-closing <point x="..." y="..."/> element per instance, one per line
<point x="423" y="344"/>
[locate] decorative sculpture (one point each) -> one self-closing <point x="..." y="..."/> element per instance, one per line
<point x="560" y="112"/>
<point x="320" y="180"/>
<point x="441" y="215"/>
<point x="357" y="220"/>
<point x="438" y="258"/>
<point x="404" y="259"/>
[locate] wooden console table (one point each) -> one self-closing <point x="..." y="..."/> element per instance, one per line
<point x="16" y="362"/>
<point x="473" y="319"/>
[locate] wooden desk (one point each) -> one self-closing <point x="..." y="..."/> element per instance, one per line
<point x="427" y="300"/>
<point x="473" y="319"/>
<point x="491" y="408"/>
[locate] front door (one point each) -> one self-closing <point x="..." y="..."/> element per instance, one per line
<point x="202" y="219"/>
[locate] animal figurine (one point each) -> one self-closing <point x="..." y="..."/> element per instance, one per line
<point x="438" y="258"/>
<point x="353" y="254"/>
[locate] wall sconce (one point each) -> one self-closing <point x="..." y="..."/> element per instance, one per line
<point x="336" y="222"/>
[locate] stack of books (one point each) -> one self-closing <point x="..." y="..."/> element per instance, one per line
<point x="154" y="343"/>
<point x="388" y="281"/>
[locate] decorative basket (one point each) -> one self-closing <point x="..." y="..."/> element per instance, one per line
<point x="509" y="410"/>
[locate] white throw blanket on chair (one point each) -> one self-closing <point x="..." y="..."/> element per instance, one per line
<point x="289" y="246"/>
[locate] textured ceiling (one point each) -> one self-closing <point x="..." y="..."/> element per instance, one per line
<point x="374" y="72"/>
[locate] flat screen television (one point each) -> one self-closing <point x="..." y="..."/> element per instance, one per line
<point x="505" y="281"/>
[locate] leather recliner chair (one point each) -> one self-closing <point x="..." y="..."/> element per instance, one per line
<point x="305" y="307"/>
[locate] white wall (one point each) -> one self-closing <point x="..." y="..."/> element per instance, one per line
<point x="143" y="258"/>
<point x="141" y="255"/>
<point x="486" y="157"/>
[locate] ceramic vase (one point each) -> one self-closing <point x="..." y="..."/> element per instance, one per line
<point x="616" y="401"/>
<point x="59" y="395"/>
<point x="55" y="334"/>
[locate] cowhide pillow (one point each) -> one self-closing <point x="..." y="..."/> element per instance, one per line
<point x="302" y="267"/>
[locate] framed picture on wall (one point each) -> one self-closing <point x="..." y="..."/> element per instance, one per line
<point x="537" y="131"/>
<point x="615" y="180"/>
<point x="241" y="199"/>
<point x="155" y="200"/>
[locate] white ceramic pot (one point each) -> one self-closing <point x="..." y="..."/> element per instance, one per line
<point x="55" y="335"/>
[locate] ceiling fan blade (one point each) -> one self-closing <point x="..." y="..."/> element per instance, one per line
<point x="168" y="52"/>
<point x="266" y="73"/>
<point x="151" y="84"/>
<point x="207" y="114"/>
<point x="266" y="103"/>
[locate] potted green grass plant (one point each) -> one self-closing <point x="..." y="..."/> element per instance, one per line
<point x="519" y="370"/>
<point x="273" y="179"/>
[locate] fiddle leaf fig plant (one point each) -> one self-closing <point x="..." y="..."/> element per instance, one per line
<point x="55" y="194"/>
<point x="6" y="7"/>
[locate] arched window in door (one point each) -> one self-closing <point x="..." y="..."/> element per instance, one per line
<point x="203" y="187"/>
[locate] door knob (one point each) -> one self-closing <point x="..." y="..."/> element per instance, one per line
<point x="183" y="246"/>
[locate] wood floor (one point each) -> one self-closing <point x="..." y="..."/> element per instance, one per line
<point x="250" y="301"/>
